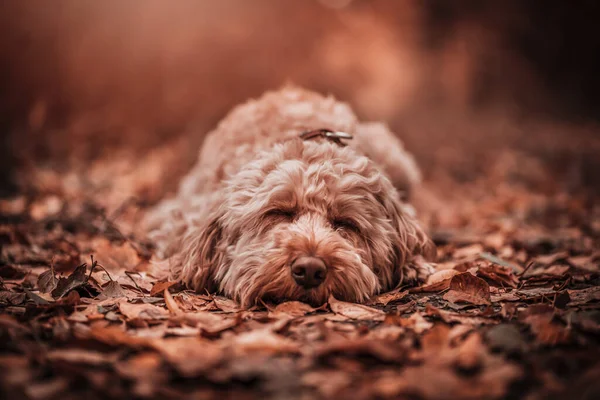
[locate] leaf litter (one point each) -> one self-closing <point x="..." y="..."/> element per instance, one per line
<point x="514" y="300"/>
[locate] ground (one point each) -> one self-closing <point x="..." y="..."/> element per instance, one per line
<point x="513" y="311"/>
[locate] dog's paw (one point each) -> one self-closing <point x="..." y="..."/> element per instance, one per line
<point x="417" y="271"/>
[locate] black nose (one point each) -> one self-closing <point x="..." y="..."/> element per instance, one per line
<point x="309" y="272"/>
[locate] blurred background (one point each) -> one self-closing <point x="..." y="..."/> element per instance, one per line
<point x="123" y="92"/>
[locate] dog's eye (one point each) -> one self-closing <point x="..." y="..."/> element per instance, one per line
<point x="345" y="224"/>
<point x="287" y="214"/>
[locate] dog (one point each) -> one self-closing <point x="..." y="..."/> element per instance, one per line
<point x="293" y="198"/>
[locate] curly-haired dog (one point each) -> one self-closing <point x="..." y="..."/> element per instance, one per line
<point x="266" y="214"/>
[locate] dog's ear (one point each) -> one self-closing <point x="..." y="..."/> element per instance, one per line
<point x="411" y="245"/>
<point x="200" y="253"/>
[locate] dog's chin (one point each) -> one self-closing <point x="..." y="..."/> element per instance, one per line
<point x="313" y="297"/>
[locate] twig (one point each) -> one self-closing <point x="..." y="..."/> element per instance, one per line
<point x="135" y="283"/>
<point x="96" y="264"/>
<point x="529" y="265"/>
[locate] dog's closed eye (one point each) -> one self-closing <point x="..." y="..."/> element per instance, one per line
<point x="281" y="214"/>
<point x="345" y="224"/>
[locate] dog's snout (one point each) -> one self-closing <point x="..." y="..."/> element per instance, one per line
<point x="309" y="272"/>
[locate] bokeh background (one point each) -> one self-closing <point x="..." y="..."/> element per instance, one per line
<point x="123" y="92"/>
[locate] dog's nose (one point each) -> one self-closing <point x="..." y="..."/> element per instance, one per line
<point x="309" y="272"/>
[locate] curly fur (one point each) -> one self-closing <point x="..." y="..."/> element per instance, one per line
<point x="259" y="198"/>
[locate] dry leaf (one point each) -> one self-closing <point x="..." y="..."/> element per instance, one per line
<point x="386" y="298"/>
<point x="226" y="305"/>
<point x="113" y="289"/>
<point x="77" y="279"/>
<point x="142" y="311"/>
<point x="190" y="356"/>
<point x="292" y="309"/>
<point x="171" y="304"/>
<point x="47" y="281"/>
<point x="160" y="287"/>
<point x="467" y="288"/>
<point x="262" y="341"/>
<point x="355" y="311"/>
<point x="583" y="296"/>
<point x="502" y="276"/>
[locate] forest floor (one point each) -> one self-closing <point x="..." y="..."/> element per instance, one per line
<point x="513" y="311"/>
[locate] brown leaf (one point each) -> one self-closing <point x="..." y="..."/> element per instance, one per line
<point x="582" y="296"/>
<point x="502" y="276"/>
<point x="468" y="252"/>
<point x="416" y="322"/>
<point x="355" y="311"/>
<point x="170" y="302"/>
<point x="142" y="311"/>
<point x="449" y="317"/>
<point x="226" y="305"/>
<point x="113" y="289"/>
<point x="81" y="356"/>
<point x="263" y="341"/>
<point x="500" y="262"/>
<point x="437" y="282"/>
<point x="160" y="287"/>
<point x="292" y="309"/>
<point x="190" y="356"/>
<point x="12" y="298"/>
<point x="47" y="281"/>
<point x="546" y="330"/>
<point x="585" y="263"/>
<point x="77" y="279"/>
<point x="116" y="257"/>
<point x="457" y="297"/>
<point x="145" y="371"/>
<point x="385" y="351"/>
<point x="386" y="298"/>
<point x="468" y="288"/>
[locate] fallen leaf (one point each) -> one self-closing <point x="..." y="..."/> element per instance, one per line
<point x="170" y="302"/>
<point x="355" y="311"/>
<point x="160" y="287"/>
<point x="388" y="352"/>
<point x="115" y="257"/>
<point x="441" y="276"/>
<point x="502" y="276"/>
<point x="585" y="263"/>
<point x="467" y="288"/>
<point x="190" y="356"/>
<point x="292" y="309"/>
<point x="500" y="262"/>
<point x="77" y="279"/>
<point x="226" y="305"/>
<point x="416" y="322"/>
<point x="386" y="298"/>
<point x="113" y="289"/>
<point x="12" y="298"/>
<point x="47" y="281"/>
<point x="449" y="317"/>
<point x="262" y="341"/>
<point x="142" y="311"/>
<point x="81" y="356"/>
<point x="583" y="296"/>
<point x="468" y="252"/>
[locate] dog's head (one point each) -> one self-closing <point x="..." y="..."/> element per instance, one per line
<point x="302" y="221"/>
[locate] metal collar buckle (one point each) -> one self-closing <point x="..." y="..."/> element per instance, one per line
<point x="334" y="136"/>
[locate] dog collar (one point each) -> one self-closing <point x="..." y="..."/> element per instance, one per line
<point x="334" y="136"/>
